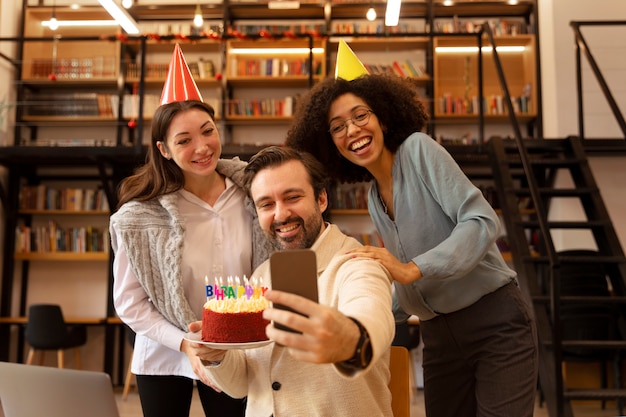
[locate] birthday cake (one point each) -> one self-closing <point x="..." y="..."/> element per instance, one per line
<point x="233" y="313"/>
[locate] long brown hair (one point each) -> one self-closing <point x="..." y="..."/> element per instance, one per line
<point x="159" y="175"/>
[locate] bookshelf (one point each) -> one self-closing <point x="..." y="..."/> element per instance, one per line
<point x="119" y="79"/>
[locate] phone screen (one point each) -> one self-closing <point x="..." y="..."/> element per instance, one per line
<point x="294" y="271"/>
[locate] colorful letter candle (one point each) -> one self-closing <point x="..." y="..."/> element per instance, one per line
<point x="233" y="312"/>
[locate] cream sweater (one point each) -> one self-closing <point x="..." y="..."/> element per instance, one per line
<point x="278" y="385"/>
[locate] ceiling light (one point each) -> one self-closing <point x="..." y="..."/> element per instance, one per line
<point x="127" y="4"/>
<point x="77" y="23"/>
<point x="474" y="49"/>
<point x="274" y="51"/>
<point x="392" y="14"/>
<point x="371" y="14"/>
<point x="283" y="4"/>
<point x="198" y="21"/>
<point x="448" y="3"/>
<point x="53" y="23"/>
<point x="121" y="16"/>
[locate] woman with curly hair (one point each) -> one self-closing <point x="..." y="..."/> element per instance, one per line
<point x="439" y="232"/>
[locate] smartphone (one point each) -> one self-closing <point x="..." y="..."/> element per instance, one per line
<point x="294" y="271"/>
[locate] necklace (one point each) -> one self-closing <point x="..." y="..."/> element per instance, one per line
<point x="383" y="203"/>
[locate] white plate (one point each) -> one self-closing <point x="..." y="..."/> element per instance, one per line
<point x="197" y="338"/>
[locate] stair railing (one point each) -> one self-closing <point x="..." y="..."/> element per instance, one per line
<point x="542" y="218"/>
<point x="583" y="47"/>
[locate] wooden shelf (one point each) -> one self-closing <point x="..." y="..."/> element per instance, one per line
<point x="349" y="212"/>
<point x="68" y="320"/>
<point x="66" y="212"/>
<point x="61" y="256"/>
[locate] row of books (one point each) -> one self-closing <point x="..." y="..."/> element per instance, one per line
<point x="275" y="29"/>
<point x="499" y="27"/>
<point x="72" y="104"/>
<point x="403" y="69"/>
<point x="201" y="69"/>
<point x="53" y="238"/>
<point x="273" y="67"/>
<point x="350" y="196"/>
<point x="261" y="107"/>
<point x="187" y="28"/>
<point x="74" y="68"/>
<point x="346" y="28"/>
<point x="493" y="104"/>
<point x="43" y="197"/>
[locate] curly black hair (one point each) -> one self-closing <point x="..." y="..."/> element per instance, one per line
<point x="394" y="100"/>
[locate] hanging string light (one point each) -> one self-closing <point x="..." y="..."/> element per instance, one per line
<point x="198" y="21"/>
<point x="371" y="14"/>
<point x="54" y="23"/>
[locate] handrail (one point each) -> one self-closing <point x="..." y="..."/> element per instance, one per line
<point x="542" y="220"/>
<point x="582" y="46"/>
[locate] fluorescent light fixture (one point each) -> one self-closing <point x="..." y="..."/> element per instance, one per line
<point x="274" y="51"/>
<point x="474" y="49"/>
<point x="78" y="23"/>
<point x="392" y="14"/>
<point x="121" y="16"/>
<point x="283" y="4"/>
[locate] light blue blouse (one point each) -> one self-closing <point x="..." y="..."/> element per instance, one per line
<point x="445" y="226"/>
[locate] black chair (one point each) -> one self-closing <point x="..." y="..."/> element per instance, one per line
<point x="46" y="330"/>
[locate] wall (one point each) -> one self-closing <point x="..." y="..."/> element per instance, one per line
<point x="558" y="70"/>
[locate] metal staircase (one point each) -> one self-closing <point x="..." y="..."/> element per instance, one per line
<point x="525" y="174"/>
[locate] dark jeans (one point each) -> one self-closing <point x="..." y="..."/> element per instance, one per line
<point x="169" y="396"/>
<point x="482" y="361"/>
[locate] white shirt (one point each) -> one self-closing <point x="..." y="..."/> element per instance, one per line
<point x="217" y="240"/>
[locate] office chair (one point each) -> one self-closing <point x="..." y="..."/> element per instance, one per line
<point x="46" y="330"/>
<point x="399" y="384"/>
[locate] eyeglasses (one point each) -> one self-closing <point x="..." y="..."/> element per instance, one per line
<point x="339" y="128"/>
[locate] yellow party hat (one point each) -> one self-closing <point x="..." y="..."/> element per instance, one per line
<point x="348" y="65"/>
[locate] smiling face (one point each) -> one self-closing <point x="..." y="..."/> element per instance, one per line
<point x="361" y="145"/>
<point x="193" y="143"/>
<point x="288" y="211"/>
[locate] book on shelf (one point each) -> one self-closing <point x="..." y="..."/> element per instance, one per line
<point x="71" y="104"/>
<point x="493" y="104"/>
<point x="272" y="67"/>
<point x="278" y="29"/>
<point x="55" y="238"/>
<point x="350" y="196"/>
<point x="499" y="27"/>
<point x="261" y="107"/>
<point x="74" y="68"/>
<point x="402" y="68"/>
<point x="43" y="197"/>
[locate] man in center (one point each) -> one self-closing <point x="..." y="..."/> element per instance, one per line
<point x="338" y="363"/>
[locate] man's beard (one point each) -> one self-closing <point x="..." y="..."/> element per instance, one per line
<point x="308" y="233"/>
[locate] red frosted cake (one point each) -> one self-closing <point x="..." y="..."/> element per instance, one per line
<point x="235" y="316"/>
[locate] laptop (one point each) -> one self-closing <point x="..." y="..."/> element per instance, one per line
<point x="30" y="390"/>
